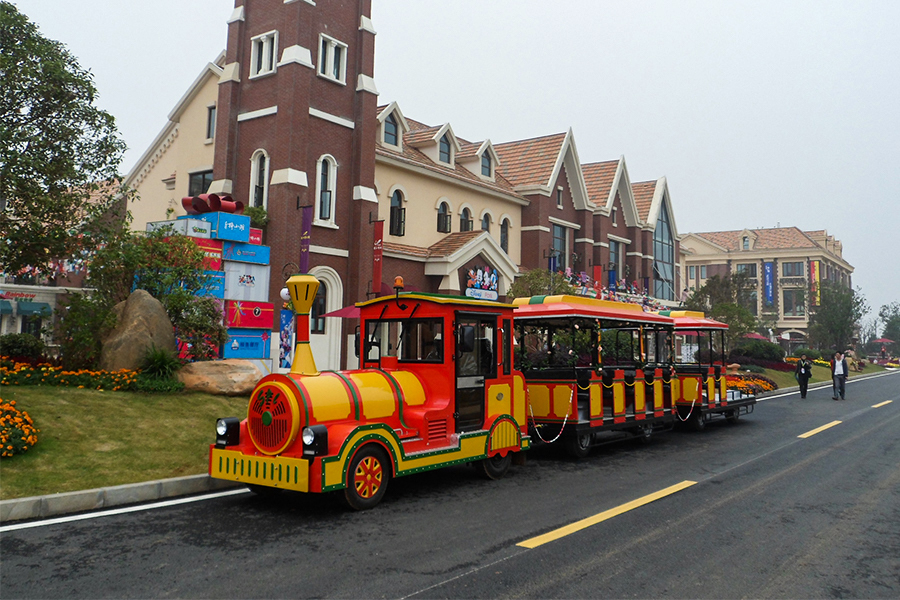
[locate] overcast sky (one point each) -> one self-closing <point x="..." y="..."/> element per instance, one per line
<point x="759" y="113"/>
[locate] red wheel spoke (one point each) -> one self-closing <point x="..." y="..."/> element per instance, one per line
<point x="367" y="478"/>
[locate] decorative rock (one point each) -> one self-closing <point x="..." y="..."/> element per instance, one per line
<point x="231" y="377"/>
<point x="141" y="323"/>
<point x="732" y="368"/>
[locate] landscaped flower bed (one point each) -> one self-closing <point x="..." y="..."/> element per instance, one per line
<point x="17" y="430"/>
<point x="17" y="373"/>
<point x="749" y="383"/>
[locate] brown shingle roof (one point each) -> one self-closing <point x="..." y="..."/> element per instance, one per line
<point x="598" y="178"/>
<point x="530" y="162"/>
<point x="775" y="238"/>
<point x="447" y="246"/>
<point x="643" y="197"/>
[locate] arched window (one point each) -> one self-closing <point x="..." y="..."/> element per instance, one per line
<point x="319" y="308"/>
<point x="398" y="214"/>
<point x="486" y="164"/>
<point x="504" y="235"/>
<point x="326" y="182"/>
<point x="259" y="179"/>
<point x="663" y="257"/>
<point x="443" y="222"/>
<point x="486" y="222"/>
<point x="390" y="130"/>
<point x="445" y="149"/>
<point x="465" y="220"/>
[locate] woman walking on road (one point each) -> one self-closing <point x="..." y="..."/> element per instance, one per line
<point x="803" y="372"/>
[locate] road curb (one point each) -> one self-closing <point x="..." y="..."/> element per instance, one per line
<point x="39" y="507"/>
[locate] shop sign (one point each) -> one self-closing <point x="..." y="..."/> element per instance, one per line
<point x="481" y="282"/>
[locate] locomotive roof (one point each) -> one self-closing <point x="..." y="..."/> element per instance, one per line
<point x="582" y="306"/>
<point x="692" y="319"/>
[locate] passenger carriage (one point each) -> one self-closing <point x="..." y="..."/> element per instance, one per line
<point x="436" y="387"/>
<point x="595" y="370"/>
<point x="701" y="389"/>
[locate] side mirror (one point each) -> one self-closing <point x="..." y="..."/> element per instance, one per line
<point x="466" y="341"/>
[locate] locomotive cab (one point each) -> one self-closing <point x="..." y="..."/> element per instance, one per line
<point x="435" y="387"/>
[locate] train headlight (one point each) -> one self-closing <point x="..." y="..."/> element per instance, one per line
<point x="228" y="432"/>
<point x="315" y="440"/>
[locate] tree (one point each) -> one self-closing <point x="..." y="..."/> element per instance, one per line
<point x="726" y="299"/>
<point x="890" y="318"/>
<point x="539" y="282"/>
<point x="834" y="322"/>
<point x="59" y="154"/>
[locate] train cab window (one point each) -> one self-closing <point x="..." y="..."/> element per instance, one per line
<point x="408" y="340"/>
<point x="480" y="358"/>
<point x="506" y="340"/>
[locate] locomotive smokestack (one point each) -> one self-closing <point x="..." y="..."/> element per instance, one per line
<point x="303" y="290"/>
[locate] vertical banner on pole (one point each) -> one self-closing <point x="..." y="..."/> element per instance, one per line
<point x="377" y="257"/>
<point x="814" y="282"/>
<point x="305" y="226"/>
<point x="769" y="282"/>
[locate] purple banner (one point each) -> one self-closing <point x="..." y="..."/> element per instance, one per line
<point x="306" y="225"/>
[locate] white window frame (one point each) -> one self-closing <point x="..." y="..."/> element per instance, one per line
<point x="325" y="64"/>
<point x="270" y="54"/>
<point x="254" y="177"/>
<point x="211" y="115"/>
<point x="331" y="186"/>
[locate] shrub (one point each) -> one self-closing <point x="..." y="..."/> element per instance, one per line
<point x="160" y="363"/>
<point x="83" y="322"/>
<point x="759" y="349"/>
<point x="21" y="346"/>
<point x="156" y="385"/>
<point x="259" y="218"/>
<point x="809" y="352"/>
<point x="753" y="369"/>
<point x="17" y="430"/>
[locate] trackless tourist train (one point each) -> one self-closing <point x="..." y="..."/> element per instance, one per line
<point x="437" y="387"/>
<point x="701" y="390"/>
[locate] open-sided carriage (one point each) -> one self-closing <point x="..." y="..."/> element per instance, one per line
<point x="701" y="389"/>
<point x="595" y="370"/>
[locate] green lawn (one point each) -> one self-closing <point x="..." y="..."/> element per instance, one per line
<point x="90" y="439"/>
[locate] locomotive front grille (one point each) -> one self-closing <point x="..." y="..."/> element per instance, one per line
<point x="271" y="418"/>
<point x="271" y="471"/>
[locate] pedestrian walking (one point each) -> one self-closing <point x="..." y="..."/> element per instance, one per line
<point x="803" y="372"/>
<point x="838" y="375"/>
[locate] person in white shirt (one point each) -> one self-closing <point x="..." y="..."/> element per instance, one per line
<point x="838" y="375"/>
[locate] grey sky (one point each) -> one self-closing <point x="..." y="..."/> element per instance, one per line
<point x="758" y="113"/>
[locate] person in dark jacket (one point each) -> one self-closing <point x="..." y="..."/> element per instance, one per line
<point x="838" y="375"/>
<point x="803" y="372"/>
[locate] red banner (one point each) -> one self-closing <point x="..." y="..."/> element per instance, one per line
<point x="377" y="257"/>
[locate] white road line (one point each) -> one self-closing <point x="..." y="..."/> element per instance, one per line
<point x="120" y="511"/>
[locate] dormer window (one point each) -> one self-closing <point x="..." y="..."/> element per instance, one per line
<point x="486" y="165"/>
<point x="746" y="243"/>
<point x="391" y="133"/>
<point x="444" y="154"/>
<point x="264" y="48"/>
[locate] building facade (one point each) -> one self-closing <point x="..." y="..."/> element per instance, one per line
<point x="784" y="265"/>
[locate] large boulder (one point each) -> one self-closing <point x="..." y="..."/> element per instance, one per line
<point x="230" y="377"/>
<point x="141" y="323"/>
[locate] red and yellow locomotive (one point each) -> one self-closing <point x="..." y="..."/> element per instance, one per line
<point x="436" y="387"/>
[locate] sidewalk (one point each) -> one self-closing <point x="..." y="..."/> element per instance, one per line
<point x="40" y="507"/>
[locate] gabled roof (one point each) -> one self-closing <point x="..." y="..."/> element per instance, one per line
<point x="528" y="163"/>
<point x="415" y="158"/>
<point x="643" y="197"/>
<point x="599" y="178"/>
<point x="776" y="238"/>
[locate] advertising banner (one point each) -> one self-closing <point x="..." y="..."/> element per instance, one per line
<point x="247" y="343"/>
<point x="286" y="352"/>
<point x="481" y="282"/>
<point x="305" y="232"/>
<point x="245" y="281"/>
<point x="815" y="292"/>
<point x="212" y="251"/>
<point x="249" y="315"/>
<point x="241" y="252"/>
<point x="378" y="257"/>
<point x="769" y="282"/>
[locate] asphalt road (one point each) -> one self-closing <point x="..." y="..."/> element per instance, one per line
<point x="770" y="515"/>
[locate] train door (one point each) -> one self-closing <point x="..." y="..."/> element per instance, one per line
<point x="475" y="362"/>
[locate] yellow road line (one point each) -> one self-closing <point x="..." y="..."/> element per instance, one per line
<point x="882" y="404"/>
<point x="599" y="518"/>
<point x="819" y="429"/>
